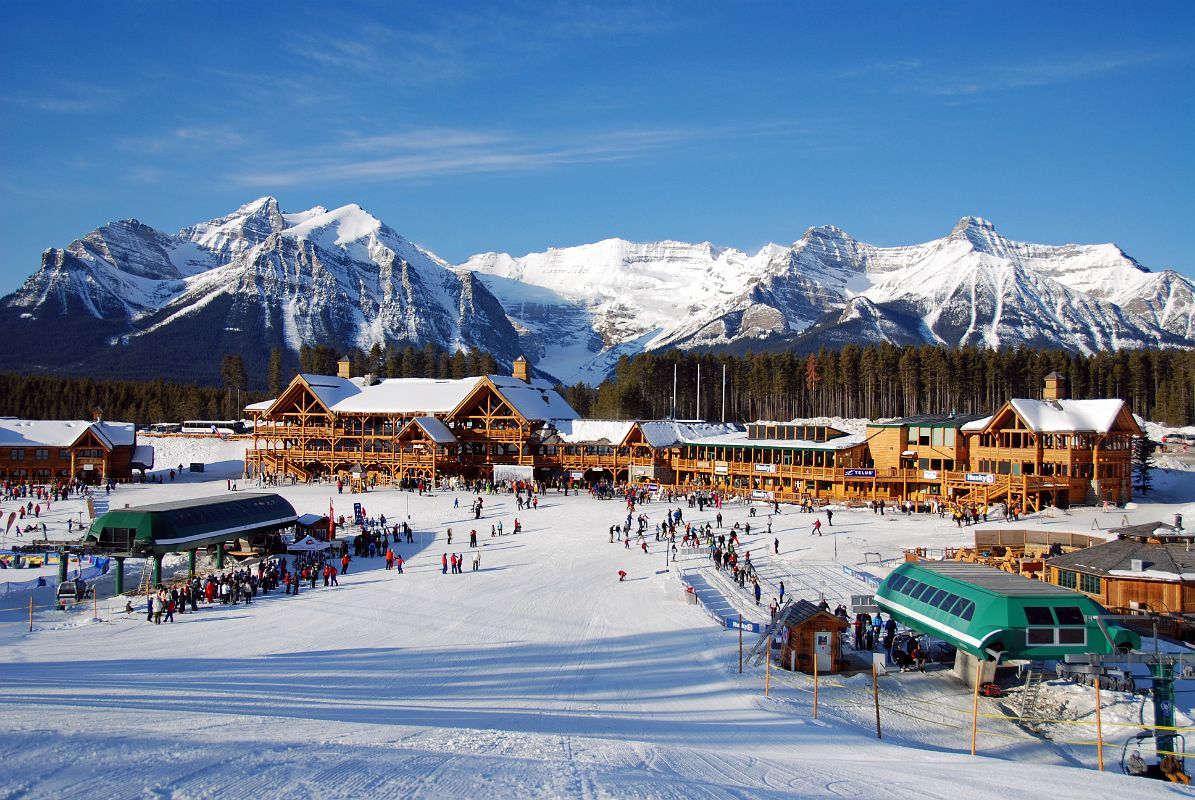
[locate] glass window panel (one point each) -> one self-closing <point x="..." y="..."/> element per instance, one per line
<point x="1039" y="636"/>
<point x="1069" y="615"/>
<point x="1038" y="615"/>
<point x="1072" y="636"/>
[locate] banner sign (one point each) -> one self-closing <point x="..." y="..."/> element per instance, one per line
<point x="858" y="473"/>
<point x="980" y="477"/>
<point x="929" y="474"/>
<point x="577" y="475"/>
<point x="747" y="625"/>
<point x="765" y="467"/>
<point x="721" y="468"/>
<point x="760" y="494"/>
<point x="859" y="575"/>
<point x="358" y="516"/>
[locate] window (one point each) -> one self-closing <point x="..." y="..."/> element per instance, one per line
<point x="1039" y="636"/>
<point x="1090" y="584"/>
<point x="1038" y="615"/>
<point x="17" y="454"/>
<point x="1066" y="579"/>
<point x="1072" y="636"/>
<point x="921" y="589"/>
<point x="937" y="437"/>
<point x="936" y="598"/>
<point x="968" y="610"/>
<point x="1069" y="615"/>
<point x="41" y="454"/>
<point x="897" y="581"/>
<point x="948" y="437"/>
<point x="959" y="604"/>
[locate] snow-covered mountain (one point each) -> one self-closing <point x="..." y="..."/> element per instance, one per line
<point x="129" y="300"/>
<point x="136" y="301"/>
<point x="971" y="287"/>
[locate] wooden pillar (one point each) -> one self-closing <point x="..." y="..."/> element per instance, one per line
<point x="119" y="575"/>
<point x="156" y="575"/>
<point x="220" y="555"/>
<point x="191" y="563"/>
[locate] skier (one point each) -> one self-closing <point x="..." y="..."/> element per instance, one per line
<point x="621" y="575"/>
<point x="444" y="564"/>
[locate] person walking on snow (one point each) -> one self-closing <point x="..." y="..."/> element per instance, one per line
<point x="621" y="575"/>
<point x="758" y="591"/>
<point x="829" y="518"/>
<point x="444" y="564"/>
<point x="817" y="528"/>
<point x="777" y="545"/>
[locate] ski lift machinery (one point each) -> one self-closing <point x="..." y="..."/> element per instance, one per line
<point x="1164" y="669"/>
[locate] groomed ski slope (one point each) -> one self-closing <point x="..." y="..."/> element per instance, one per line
<point x="539" y="676"/>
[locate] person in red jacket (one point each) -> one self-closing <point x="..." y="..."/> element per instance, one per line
<point x="621" y="575"/>
<point x="344" y="564"/>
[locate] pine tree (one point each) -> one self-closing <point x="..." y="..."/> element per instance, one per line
<point x="1143" y="463"/>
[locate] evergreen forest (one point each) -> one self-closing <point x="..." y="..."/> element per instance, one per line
<point x="875" y="381"/>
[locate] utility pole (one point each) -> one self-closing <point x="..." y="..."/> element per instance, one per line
<point x="674" y="366"/>
<point x="698" y="414"/>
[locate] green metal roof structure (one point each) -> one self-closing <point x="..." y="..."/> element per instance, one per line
<point x="190" y="524"/>
<point x="982" y="611"/>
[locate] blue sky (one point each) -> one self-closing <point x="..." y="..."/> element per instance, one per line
<point x="519" y="126"/>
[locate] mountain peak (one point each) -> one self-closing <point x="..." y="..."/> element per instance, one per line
<point x="973" y="224"/>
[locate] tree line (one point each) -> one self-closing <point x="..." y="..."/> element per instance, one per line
<point x="876" y="381"/>
<point x="884" y="381"/>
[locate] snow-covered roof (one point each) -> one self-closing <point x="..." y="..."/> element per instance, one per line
<point x="1068" y="415"/>
<point x="740" y="439"/>
<point x="666" y="433"/>
<point x="143" y="456"/>
<point x="63" y="433"/>
<point x="264" y="405"/>
<point x="575" y="431"/>
<point x="977" y="424"/>
<point x="536" y="400"/>
<point x="436" y="430"/>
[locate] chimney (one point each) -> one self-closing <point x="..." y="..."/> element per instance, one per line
<point x="1055" y="388"/>
<point x="521" y="371"/>
<point x="97" y="414"/>
<point x="369" y="379"/>
<point x="344" y="367"/>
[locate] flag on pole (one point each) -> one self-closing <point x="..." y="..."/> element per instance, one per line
<point x="11" y="518"/>
<point x="331" y="521"/>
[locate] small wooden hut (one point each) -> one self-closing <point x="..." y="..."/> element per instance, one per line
<point x="813" y="635"/>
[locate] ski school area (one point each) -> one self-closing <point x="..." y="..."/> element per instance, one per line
<point x="541" y="672"/>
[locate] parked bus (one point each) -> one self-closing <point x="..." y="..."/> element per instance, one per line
<point x="216" y="427"/>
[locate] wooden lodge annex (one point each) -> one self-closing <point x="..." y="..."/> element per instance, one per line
<point x="1030" y="453"/>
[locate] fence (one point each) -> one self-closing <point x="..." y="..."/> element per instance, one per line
<point x="96" y="566"/>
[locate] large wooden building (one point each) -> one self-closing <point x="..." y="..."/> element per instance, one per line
<point x="1030" y="453"/>
<point x="1147" y="568"/>
<point x="41" y="451"/>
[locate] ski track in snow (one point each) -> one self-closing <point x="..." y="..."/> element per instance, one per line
<point x="538" y="676"/>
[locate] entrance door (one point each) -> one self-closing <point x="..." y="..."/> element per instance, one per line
<point x="821" y="649"/>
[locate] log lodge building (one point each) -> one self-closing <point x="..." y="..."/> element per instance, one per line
<point x="1029" y="453"/>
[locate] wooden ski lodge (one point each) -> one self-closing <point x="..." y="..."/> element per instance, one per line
<point x="1030" y="453"/>
<point x="41" y="451"/>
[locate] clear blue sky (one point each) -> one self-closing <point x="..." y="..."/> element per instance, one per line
<point x="519" y="126"/>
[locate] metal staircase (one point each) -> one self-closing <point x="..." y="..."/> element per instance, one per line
<point x="1031" y="696"/>
<point x="755" y="655"/>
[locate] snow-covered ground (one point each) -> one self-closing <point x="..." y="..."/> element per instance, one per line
<point x="539" y="675"/>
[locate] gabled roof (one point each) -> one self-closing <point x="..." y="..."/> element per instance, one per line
<point x="577" y="431"/>
<point x="533" y="400"/>
<point x="436" y="430"/>
<point x="668" y="433"/>
<point x="536" y="400"/>
<point x="63" y="433"/>
<point x="804" y="610"/>
<point x="1169" y="561"/>
<point x="1068" y="416"/>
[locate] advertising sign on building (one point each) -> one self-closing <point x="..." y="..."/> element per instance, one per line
<point x="929" y="474"/>
<point x="980" y="477"/>
<point x="858" y="473"/>
<point x="721" y="468"/>
<point x="760" y="494"/>
<point x="577" y="475"/>
<point x="765" y="467"/>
